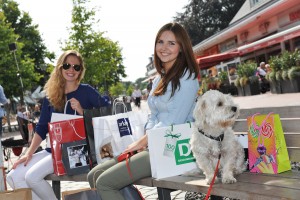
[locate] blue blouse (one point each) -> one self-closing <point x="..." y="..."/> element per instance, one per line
<point x="87" y="96"/>
<point x="178" y="109"/>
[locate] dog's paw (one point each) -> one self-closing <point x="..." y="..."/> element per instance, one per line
<point x="209" y="180"/>
<point x="228" y="179"/>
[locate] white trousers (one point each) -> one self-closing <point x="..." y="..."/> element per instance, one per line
<point x="32" y="176"/>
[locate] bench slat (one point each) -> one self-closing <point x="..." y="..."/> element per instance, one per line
<point x="284" y="112"/>
<point x="294" y="154"/>
<point x="261" y="187"/>
<point x="288" y="125"/>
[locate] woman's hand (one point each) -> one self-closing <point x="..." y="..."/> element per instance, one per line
<point x="139" y="145"/>
<point x="75" y="105"/>
<point x="24" y="159"/>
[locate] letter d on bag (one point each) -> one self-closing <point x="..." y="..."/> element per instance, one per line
<point x="183" y="153"/>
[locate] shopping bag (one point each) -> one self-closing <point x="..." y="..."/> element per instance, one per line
<point x="115" y="132"/>
<point x="63" y="128"/>
<point x="266" y="145"/>
<point x="75" y="157"/>
<point x="17" y="194"/>
<point x="90" y="139"/>
<point x="170" y="152"/>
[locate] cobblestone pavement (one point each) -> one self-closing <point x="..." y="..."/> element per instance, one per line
<point x="263" y="100"/>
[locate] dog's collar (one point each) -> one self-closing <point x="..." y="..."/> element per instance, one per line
<point x="219" y="138"/>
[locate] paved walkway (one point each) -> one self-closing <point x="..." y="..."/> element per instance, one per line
<point x="263" y="100"/>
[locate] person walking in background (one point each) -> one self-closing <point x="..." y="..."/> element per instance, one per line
<point x="63" y="85"/>
<point x="3" y="101"/>
<point x="137" y="95"/>
<point x="171" y="101"/>
<point x="149" y="87"/>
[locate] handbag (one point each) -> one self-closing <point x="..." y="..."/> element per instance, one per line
<point x="170" y="152"/>
<point x="115" y="132"/>
<point x="64" y="131"/>
<point x="267" y="149"/>
<point x="19" y="194"/>
<point x="88" y="124"/>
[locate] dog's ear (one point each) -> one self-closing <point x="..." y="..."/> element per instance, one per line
<point x="199" y="111"/>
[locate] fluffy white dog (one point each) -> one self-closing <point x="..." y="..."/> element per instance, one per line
<point x="215" y="114"/>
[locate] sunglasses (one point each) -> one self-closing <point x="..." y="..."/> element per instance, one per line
<point x="67" y="66"/>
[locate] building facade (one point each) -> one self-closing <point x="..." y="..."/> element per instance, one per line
<point x="260" y="29"/>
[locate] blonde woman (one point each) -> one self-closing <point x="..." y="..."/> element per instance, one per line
<point x="63" y="85"/>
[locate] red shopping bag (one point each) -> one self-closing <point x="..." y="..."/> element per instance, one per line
<point x="64" y="132"/>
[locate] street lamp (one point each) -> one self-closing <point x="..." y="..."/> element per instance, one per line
<point x="13" y="47"/>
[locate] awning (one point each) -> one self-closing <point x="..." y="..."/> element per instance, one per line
<point x="271" y="40"/>
<point x="211" y="60"/>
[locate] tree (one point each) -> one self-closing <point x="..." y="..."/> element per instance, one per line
<point x="33" y="46"/>
<point x="102" y="56"/>
<point x="203" y="18"/>
<point x="117" y="89"/>
<point x="10" y="76"/>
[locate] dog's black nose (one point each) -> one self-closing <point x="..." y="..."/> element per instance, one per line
<point x="234" y="108"/>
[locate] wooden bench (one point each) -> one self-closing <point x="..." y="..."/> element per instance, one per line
<point x="249" y="186"/>
<point x="285" y="185"/>
<point x="83" y="178"/>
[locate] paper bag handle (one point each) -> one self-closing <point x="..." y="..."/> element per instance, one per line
<point x="65" y="110"/>
<point x="115" y="103"/>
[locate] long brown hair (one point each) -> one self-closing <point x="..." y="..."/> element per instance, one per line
<point x="185" y="62"/>
<point x="55" y="86"/>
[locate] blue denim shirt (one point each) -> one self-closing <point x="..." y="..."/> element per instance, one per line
<point x="178" y="109"/>
<point x="3" y="101"/>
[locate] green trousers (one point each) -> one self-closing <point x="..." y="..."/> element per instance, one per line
<point x="109" y="177"/>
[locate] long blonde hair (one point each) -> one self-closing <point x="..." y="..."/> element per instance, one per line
<point x="55" y="86"/>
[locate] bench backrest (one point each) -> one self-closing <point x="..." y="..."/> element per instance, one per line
<point x="290" y="121"/>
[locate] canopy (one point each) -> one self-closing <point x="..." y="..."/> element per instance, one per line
<point x="211" y="60"/>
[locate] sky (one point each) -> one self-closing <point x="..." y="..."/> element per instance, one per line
<point x="132" y="23"/>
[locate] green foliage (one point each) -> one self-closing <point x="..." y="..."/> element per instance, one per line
<point x="271" y="76"/>
<point x="117" y="89"/>
<point x="246" y="72"/>
<point x="203" y="18"/>
<point x="30" y="42"/>
<point x="290" y="59"/>
<point x="275" y="63"/>
<point x="284" y="66"/>
<point x="129" y="90"/>
<point x="102" y="56"/>
<point x="223" y="76"/>
<point x="237" y="82"/>
<point x="278" y="75"/>
<point x="284" y="75"/>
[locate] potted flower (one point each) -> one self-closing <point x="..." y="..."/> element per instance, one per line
<point x="247" y="78"/>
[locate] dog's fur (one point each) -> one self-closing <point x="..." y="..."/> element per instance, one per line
<point x="215" y="114"/>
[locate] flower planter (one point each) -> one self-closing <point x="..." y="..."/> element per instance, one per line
<point x="296" y="84"/>
<point x="286" y="86"/>
<point x="252" y="89"/>
<point x="240" y="91"/>
<point x="275" y="87"/>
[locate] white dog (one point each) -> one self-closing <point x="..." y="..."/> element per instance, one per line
<point x="215" y="114"/>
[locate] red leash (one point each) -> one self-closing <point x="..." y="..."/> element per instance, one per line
<point x="130" y="174"/>
<point x="213" y="180"/>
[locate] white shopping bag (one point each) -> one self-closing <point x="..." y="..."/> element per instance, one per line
<point x="116" y="132"/>
<point x="170" y="152"/>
